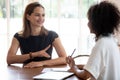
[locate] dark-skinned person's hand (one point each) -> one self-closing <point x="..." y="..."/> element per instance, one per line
<point x="70" y="61"/>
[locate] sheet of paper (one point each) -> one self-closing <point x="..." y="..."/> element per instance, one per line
<point x="53" y="75"/>
<point x="56" y="69"/>
<point x="46" y="70"/>
<point x="61" y="69"/>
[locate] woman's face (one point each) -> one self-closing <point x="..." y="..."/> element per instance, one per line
<point x="37" y="18"/>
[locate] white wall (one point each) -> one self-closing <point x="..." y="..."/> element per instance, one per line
<point x="117" y="2"/>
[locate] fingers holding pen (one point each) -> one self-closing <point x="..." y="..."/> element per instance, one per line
<point x="70" y="61"/>
<point x="69" y="58"/>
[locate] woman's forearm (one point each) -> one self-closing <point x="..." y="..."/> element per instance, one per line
<point x="83" y="74"/>
<point x="52" y="62"/>
<point x="17" y="58"/>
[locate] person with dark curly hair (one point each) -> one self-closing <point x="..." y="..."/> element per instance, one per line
<point x="103" y="63"/>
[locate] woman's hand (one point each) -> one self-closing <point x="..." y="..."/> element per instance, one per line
<point x="42" y="53"/>
<point x="71" y="63"/>
<point x="33" y="65"/>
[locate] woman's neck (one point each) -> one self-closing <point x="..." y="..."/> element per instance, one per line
<point x="35" y="31"/>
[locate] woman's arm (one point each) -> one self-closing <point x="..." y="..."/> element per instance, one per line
<point x="52" y="62"/>
<point x="61" y="54"/>
<point x="82" y="74"/>
<point x="12" y="57"/>
<point x="59" y="48"/>
<point x="57" y="61"/>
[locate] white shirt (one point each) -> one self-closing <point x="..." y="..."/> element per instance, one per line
<point x="104" y="61"/>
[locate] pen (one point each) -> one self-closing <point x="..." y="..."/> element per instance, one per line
<point x="73" y="52"/>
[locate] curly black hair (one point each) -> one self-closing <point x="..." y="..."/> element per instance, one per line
<point x="104" y="17"/>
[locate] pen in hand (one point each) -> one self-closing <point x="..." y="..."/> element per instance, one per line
<point x="67" y="59"/>
<point x="72" y="52"/>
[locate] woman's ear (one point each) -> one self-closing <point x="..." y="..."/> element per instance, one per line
<point x="28" y="17"/>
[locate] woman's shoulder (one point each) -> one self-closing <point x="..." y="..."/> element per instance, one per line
<point x="52" y="34"/>
<point x="106" y="41"/>
<point x="18" y="34"/>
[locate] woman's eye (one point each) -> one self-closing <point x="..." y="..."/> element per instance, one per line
<point x="43" y="15"/>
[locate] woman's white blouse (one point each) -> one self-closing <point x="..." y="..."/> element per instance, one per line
<point x="104" y="61"/>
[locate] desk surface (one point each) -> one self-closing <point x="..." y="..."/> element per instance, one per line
<point x="17" y="72"/>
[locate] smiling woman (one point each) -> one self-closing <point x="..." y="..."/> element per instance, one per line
<point x="35" y="41"/>
<point x="37" y="18"/>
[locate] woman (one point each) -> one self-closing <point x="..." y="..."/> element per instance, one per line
<point x="35" y="41"/>
<point x="103" y="62"/>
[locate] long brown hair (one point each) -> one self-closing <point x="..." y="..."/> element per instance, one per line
<point x="26" y="23"/>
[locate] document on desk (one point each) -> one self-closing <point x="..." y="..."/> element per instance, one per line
<point x="53" y="75"/>
<point x="57" y="73"/>
<point x="63" y="69"/>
